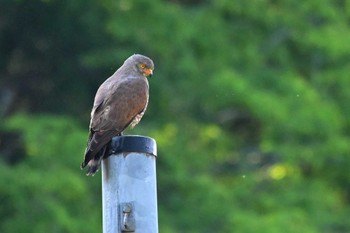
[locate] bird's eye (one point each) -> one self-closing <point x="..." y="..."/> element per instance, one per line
<point x="142" y="66"/>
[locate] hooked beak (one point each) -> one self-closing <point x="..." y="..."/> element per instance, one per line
<point x="148" y="72"/>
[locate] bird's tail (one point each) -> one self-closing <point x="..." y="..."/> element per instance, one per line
<point x="93" y="165"/>
<point x="96" y="150"/>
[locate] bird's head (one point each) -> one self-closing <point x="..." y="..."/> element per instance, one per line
<point x="141" y="64"/>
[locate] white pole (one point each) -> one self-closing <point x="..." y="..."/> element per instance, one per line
<point x="129" y="195"/>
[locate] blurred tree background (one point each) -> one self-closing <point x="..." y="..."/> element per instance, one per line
<point x="249" y="106"/>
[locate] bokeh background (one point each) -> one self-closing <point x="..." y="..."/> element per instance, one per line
<point x="249" y="106"/>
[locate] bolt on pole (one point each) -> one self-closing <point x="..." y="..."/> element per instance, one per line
<point x="129" y="189"/>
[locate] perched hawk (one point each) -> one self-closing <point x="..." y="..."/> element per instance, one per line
<point x="119" y="102"/>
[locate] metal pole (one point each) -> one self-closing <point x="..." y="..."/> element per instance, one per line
<point x="129" y="196"/>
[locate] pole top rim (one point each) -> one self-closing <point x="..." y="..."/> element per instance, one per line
<point x="132" y="143"/>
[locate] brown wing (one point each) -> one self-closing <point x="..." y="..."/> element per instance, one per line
<point x="102" y="93"/>
<point x="121" y="105"/>
<point x="124" y="101"/>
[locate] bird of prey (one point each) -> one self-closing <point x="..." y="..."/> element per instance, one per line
<point x="119" y="102"/>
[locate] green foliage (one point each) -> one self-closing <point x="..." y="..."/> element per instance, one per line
<point x="47" y="192"/>
<point x="249" y="107"/>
